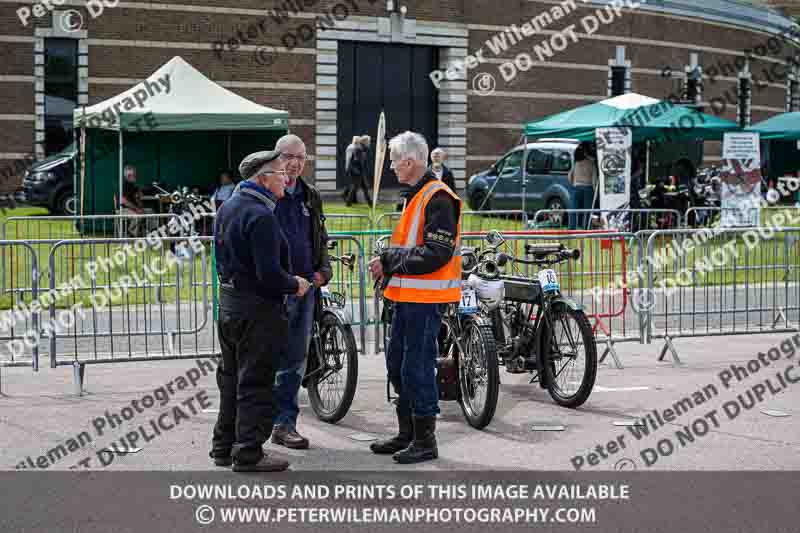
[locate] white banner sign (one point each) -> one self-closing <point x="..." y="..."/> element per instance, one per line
<point x="614" y="166"/>
<point x="741" y="180"/>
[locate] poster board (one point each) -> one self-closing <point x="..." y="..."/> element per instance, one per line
<point x="741" y="180"/>
<point x="614" y="166"/>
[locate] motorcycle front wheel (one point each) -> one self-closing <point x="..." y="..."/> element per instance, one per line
<point x="478" y="374"/>
<point x="570" y="356"/>
<point x="333" y="386"/>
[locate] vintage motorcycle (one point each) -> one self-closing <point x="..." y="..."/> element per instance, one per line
<point x="467" y="367"/>
<point x="332" y="371"/>
<point x="556" y="344"/>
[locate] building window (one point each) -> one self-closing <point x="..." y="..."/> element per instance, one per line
<point x="618" y="78"/>
<point x="794" y="95"/>
<point x="60" y="92"/>
<point x="744" y="101"/>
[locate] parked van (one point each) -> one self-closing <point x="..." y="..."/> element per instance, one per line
<point x="48" y="183"/>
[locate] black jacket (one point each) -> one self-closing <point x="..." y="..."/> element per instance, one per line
<point x="319" y="235"/>
<point x="439" y="233"/>
<point x="251" y="251"/>
<point x="447" y="177"/>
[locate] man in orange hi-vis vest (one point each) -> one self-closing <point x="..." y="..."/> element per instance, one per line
<point x="422" y="270"/>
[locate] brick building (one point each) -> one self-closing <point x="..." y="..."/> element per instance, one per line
<point x="334" y="63"/>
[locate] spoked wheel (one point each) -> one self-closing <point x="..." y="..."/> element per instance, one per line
<point x="571" y="357"/>
<point x="333" y="386"/>
<point x="478" y="374"/>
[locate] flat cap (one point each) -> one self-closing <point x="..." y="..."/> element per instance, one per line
<point x="253" y="162"/>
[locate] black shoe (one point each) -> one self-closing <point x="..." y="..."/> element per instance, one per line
<point x="223" y="461"/>
<point x="423" y="448"/>
<point x="266" y="464"/>
<point x="399" y="442"/>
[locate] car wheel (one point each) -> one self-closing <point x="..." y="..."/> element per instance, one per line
<point x="479" y="201"/>
<point x="66" y="203"/>
<point x="556" y="204"/>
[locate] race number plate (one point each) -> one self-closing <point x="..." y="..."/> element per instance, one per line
<point x="325" y="291"/>
<point x="549" y="281"/>
<point x="469" y="302"/>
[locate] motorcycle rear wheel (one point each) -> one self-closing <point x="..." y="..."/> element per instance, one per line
<point x="478" y="374"/>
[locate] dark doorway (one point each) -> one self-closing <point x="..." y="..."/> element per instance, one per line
<point x="393" y="78"/>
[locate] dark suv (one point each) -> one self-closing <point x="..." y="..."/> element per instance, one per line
<point x="48" y="183"/>
<point x="547" y="183"/>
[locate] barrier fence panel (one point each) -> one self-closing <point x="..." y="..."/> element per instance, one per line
<point x="125" y="300"/>
<point x="19" y="315"/>
<point x="351" y="284"/>
<point x="628" y="220"/>
<point x="471" y="221"/>
<point x="42" y="232"/>
<point x="599" y="280"/>
<point x="721" y="282"/>
<point x="346" y="223"/>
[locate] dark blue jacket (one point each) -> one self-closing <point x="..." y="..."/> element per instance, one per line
<point x="295" y="220"/>
<point x="251" y="249"/>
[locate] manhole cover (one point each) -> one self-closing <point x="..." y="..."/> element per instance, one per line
<point x="548" y="427"/>
<point x="775" y="412"/>
<point x="362" y="437"/>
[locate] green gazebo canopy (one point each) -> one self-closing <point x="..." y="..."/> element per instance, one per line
<point x="783" y="127"/>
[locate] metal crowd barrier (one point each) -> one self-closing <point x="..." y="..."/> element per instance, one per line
<point x="707" y="283"/>
<point x="17" y="319"/>
<point x="626" y="220"/>
<point x="42" y="232"/>
<point x="471" y="221"/>
<point x="352" y="284"/>
<point x="136" y="304"/>
<point x="345" y="223"/>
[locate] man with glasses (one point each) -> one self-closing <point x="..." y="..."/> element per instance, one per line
<point x="302" y="220"/>
<point x="253" y="263"/>
<point x="423" y="271"/>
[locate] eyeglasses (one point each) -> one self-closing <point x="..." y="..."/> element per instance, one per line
<point x="289" y="157"/>
<point x="269" y="172"/>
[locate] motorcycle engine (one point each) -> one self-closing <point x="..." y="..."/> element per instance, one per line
<point x="489" y="292"/>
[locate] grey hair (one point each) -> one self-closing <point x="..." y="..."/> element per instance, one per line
<point x="127" y="167"/>
<point x="410" y="145"/>
<point x="438" y="151"/>
<point x="289" y="140"/>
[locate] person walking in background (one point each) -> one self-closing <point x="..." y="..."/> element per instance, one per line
<point x="351" y="148"/>
<point x="584" y="178"/>
<point x="359" y="171"/>
<point x="253" y="261"/>
<point x="301" y="218"/>
<point x="423" y="271"/>
<point x="438" y="168"/>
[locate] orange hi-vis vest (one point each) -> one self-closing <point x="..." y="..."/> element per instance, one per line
<point x="441" y="286"/>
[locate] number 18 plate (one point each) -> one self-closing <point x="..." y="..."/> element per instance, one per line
<point x="549" y="281"/>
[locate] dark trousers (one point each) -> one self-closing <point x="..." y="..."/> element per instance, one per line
<point x="253" y="332"/>
<point x="411" y="357"/>
<point x="359" y="182"/>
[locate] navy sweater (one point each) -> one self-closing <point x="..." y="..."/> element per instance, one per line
<point x="250" y="246"/>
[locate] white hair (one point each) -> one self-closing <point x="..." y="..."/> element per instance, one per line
<point x="410" y="145"/>
<point x="438" y="151"/>
<point x="289" y="140"/>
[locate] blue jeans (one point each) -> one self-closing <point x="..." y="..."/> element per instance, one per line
<point x="293" y="363"/>
<point x="411" y="357"/>
<point x="582" y="199"/>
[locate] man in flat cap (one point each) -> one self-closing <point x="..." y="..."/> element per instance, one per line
<point x="253" y="265"/>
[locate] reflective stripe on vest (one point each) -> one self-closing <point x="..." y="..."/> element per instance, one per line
<point x="416" y="283"/>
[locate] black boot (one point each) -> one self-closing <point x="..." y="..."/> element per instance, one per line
<point x="401" y="441"/>
<point x="423" y="448"/>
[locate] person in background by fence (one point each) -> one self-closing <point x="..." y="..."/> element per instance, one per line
<point x="358" y="171"/>
<point x="302" y="220"/>
<point x="351" y="148"/>
<point x="131" y="203"/>
<point x="252" y="265"/>
<point x="225" y="189"/>
<point x="440" y="170"/>
<point x="423" y="272"/>
<point x="584" y="178"/>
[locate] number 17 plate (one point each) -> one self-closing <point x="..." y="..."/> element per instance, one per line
<point x="469" y="302"/>
<point x="549" y="281"/>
